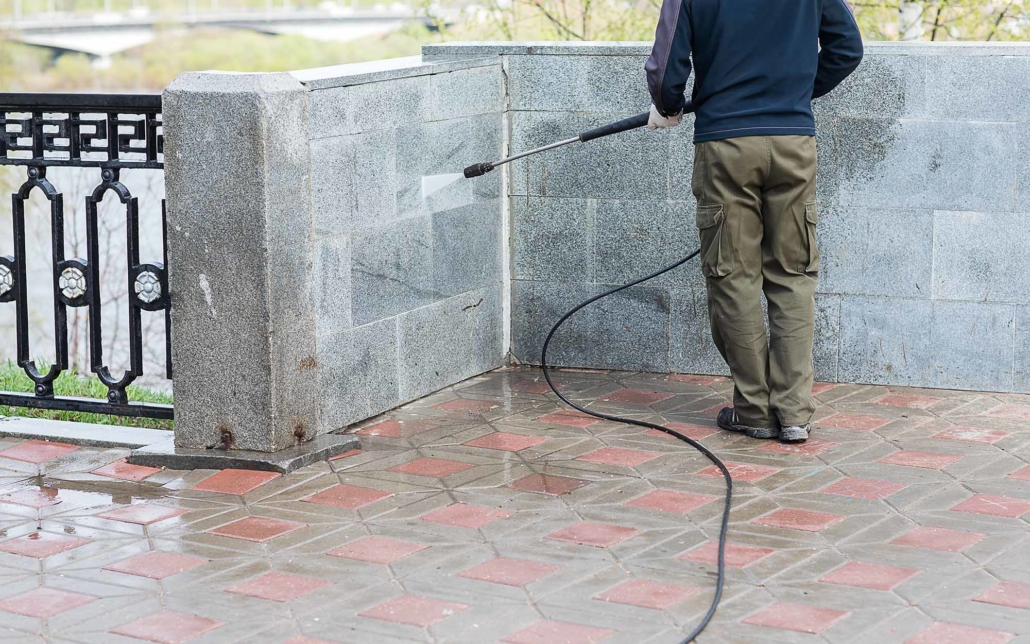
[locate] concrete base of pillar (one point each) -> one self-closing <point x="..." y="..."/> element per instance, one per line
<point x="166" y="454"/>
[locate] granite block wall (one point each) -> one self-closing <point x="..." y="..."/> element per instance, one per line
<point x="924" y="195"/>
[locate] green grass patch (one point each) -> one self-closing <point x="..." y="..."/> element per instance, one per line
<point x="71" y="383"/>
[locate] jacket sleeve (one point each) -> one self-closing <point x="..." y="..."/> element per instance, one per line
<point x="668" y="67"/>
<point x="840" y="44"/>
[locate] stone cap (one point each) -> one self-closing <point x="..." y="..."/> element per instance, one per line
<point x="383" y="70"/>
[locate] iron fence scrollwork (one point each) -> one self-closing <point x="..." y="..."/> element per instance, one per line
<point x="111" y="133"/>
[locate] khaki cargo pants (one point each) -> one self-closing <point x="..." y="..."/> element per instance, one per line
<point x="756" y="216"/>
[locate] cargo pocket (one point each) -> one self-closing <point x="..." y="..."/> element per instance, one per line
<point x="811" y="221"/>
<point x="716" y="251"/>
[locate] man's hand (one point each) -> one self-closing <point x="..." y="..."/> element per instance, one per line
<point x="657" y="121"/>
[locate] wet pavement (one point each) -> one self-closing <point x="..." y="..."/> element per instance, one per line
<point x="486" y="513"/>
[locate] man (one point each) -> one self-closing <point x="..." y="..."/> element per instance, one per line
<point x="758" y="64"/>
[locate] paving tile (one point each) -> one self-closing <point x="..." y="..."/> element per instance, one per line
<point x="972" y="435"/>
<point x="1020" y="475"/>
<point x="547" y="484"/>
<point x="350" y="497"/>
<point x="506" y="442"/>
<point x="590" y="533"/>
<point x="740" y="471"/>
<point x="551" y="632"/>
<point x="347" y="454"/>
<point x="236" y="481"/>
<point x="913" y="401"/>
<point x="697" y="432"/>
<point x="34" y="451"/>
<point x="704" y="381"/>
<point x="33" y="497"/>
<point x="647" y="594"/>
<point x="796" y="617"/>
<point x="856" y="488"/>
<point x="302" y="639"/>
<point x="854" y="421"/>
<point x="924" y="460"/>
<point x="416" y="611"/>
<point x="432" y="467"/>
<point x="124" y="471"/>
<point x="534" y="387"/>
<point x="822" y="387"/>
<point x="257" y="529"/>
<point x="44" y="602"/>
<point x="737" y="556"/>
<point x="278" y="586"/>
<point x="868" y="575"/>
<point x="618" y="456"/>
<point x="398" y="428"/>
<point x="944" y="633"/>
<point x="167" y="627"/>
<point x="799" y="520"/>
<point x="143" y="513"/>
<point x="1007" y="593"/>
<point x="41" y="544"/>
<point x="669" y="501"/>
<point x="470" y="406"/>
<point x="569" y="419"/>
<point x="941" y="539"/>
<point x="157" y="564"/>
<point x="511" y="572"/>
<point x="466" y="516"/>
<point x="378" y="550"/>
<point x="998" y="506"/>
<point x="637" y="397"/>
<point x="1011" y="412"/>
<point x="811" y="447"/>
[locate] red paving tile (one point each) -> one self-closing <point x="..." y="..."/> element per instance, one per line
<point x="44" y="602"/>
<point x="867" y="575"/>
<point x="714" y="409"/>
<point x="167" y="627"/>
<point x="257" y="529"/>
<point x="350" y="497"/>
<point x="924" y="460"/>
<point x="37" y="451"/>
<point x="506" y="442"/>
<point x="416" y="611"/>
<point x="510" y="572"/>
<point x="647" y="594"/>
<point x="143" y="513"/>
<point x="235" y="481"/>
<point x="796" y="617"/>
<point x="569" y="419"/>
<point x="1011" y="412"/>
<point x="697" y="432"/>
<point x="799" y="520"/>
<point x="972" y="435"/>
<point x="126" y="472"/>
<point x="278" y="586"/>
<point x="466" y="516"/>
<point x="997" y="506"/>
<point x="398" y="428"/>
<point x="157" y="564"/>
<point x="811" y="447"/>
<point x="637" y="397"/>
<point x="737" y="556"/>
<point x="856" y="488"/>
<point x="854" y="421"/>
<point x="41" y="544"/>
<point x="33" y="497"/>
<point x="912" y="401"/>
<point x="301" y="639"/>
<point x="704" y="381"/>
<point x="939" y="539"/>
<point x="470" y="406"/>
<point x="669" y="501"/>
<point x="379" y="550"/>
<point x="347" y="454"/>
<point x="619" y="456"/>
<point x="944" y="633"/>
<point x="549" y="632"/>
<point x="1020" y="475"/>
<point x="744" y="472"/>
<point x="1007" y="593"/>
<point x="432" y="467"/>
<point x="598" y="535"/>
<point x="822" y="387"/>
<point x="547" y="484"/>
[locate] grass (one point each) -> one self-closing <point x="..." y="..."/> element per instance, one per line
<point x="70" y="383"/>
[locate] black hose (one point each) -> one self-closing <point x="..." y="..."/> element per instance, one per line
<point x="721" y="577"/>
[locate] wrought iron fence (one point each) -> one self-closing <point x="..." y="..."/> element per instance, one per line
<point x="110" y="133"/>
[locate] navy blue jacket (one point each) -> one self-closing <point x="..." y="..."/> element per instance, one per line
<point x="758" y="63"/>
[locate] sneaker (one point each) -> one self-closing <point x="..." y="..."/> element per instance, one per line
<point x="795" y="433"/>
<point x="728" y="420"/>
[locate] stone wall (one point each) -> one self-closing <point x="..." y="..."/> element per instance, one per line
<point x="924" y="190"/>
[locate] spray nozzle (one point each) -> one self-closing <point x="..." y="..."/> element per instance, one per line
<point x="478" y="169"/>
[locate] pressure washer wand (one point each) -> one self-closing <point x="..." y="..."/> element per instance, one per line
<point x="630" y="123"/>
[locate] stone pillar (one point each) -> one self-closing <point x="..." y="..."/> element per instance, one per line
<point x="239" y="253"/>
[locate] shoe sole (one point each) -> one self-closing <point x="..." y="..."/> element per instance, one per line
<point x="799" y="436"/>
<point x="762" y="432"/>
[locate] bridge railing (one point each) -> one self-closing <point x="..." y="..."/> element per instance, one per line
<point x="109" y="133"/>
